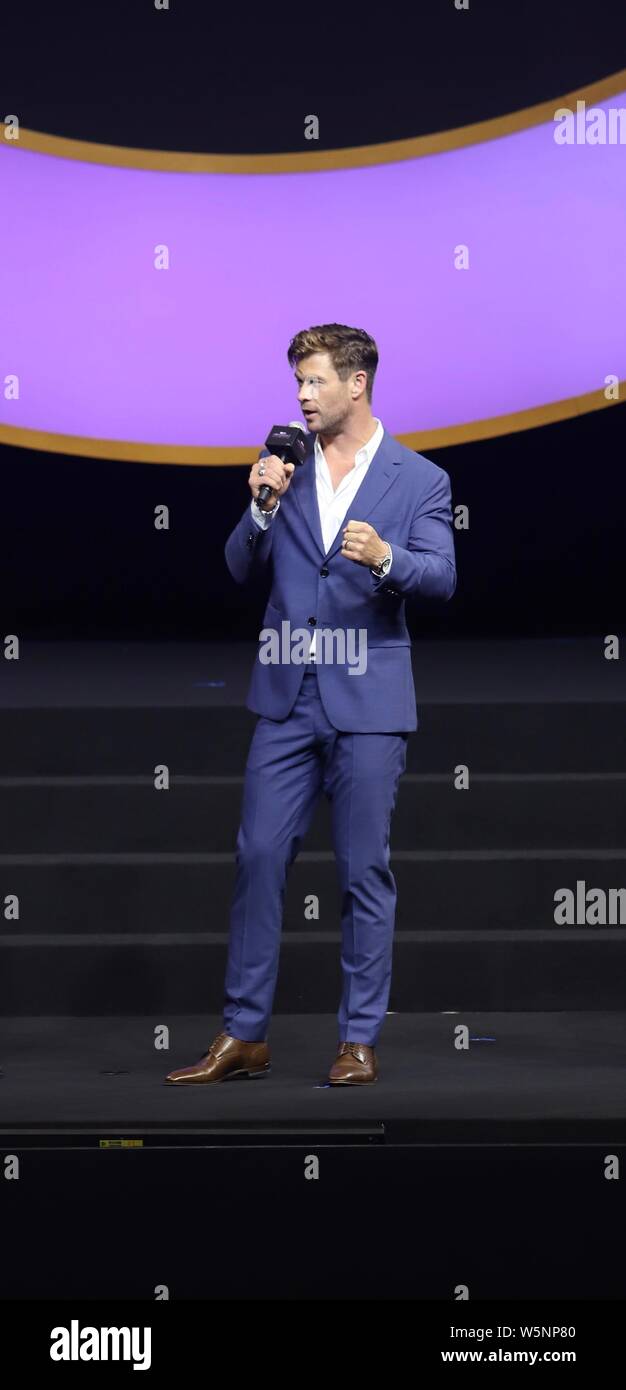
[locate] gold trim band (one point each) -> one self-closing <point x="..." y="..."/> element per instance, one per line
<point x="179" y="162"/>
<point x="216" y="457"/>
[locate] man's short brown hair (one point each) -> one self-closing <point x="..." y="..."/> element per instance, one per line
<point x="350" y="350"/>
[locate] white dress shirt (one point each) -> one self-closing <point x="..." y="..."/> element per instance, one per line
<point x="332" y="505"/>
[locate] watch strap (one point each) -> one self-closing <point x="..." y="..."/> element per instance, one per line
<point x="381" y="569"/>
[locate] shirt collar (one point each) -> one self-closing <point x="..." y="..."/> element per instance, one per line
<point x="364" y="455"/>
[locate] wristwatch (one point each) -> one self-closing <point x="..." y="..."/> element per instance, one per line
<point x="271" y="511"/>
<point x="380" y="570"/>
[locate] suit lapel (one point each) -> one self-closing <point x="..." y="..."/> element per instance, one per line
<point x="305" y="493"/>
<point x="379" y="477"/>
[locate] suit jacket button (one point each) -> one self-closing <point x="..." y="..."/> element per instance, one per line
<point x="324" y="570"/>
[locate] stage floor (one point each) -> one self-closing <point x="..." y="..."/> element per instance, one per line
<point x="526" y="1077"/>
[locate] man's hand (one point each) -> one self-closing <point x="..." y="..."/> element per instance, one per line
<point x="363" y="544"/>
<point x="276" y="474"/>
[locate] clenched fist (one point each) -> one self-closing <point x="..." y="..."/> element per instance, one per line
<point x="363" y="544"/>
<point x="276" y="475"/>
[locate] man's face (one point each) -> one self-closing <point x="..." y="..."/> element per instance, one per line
<point x="326" y="402"/>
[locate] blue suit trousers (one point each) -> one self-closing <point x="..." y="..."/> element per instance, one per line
<point x="290" y="762"/>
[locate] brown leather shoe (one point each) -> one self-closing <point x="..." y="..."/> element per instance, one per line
<point x="354" y="1065"/>
<point x="226" y="1057"/>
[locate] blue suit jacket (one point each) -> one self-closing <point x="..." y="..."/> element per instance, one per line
<point x="406" y="498"/>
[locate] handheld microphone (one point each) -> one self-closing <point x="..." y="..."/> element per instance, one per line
<point x="288" y="443"/>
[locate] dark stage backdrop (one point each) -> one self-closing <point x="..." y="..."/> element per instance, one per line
<point x="228" y="79"/>
<point x="543" y="555"/>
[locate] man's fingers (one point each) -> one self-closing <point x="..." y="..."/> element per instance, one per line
<point x="271" y="477"/>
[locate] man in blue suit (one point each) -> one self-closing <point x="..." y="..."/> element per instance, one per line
<point x="363" y="525"/>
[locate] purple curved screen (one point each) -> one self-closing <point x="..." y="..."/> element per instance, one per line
<point x="106" y="345"/>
